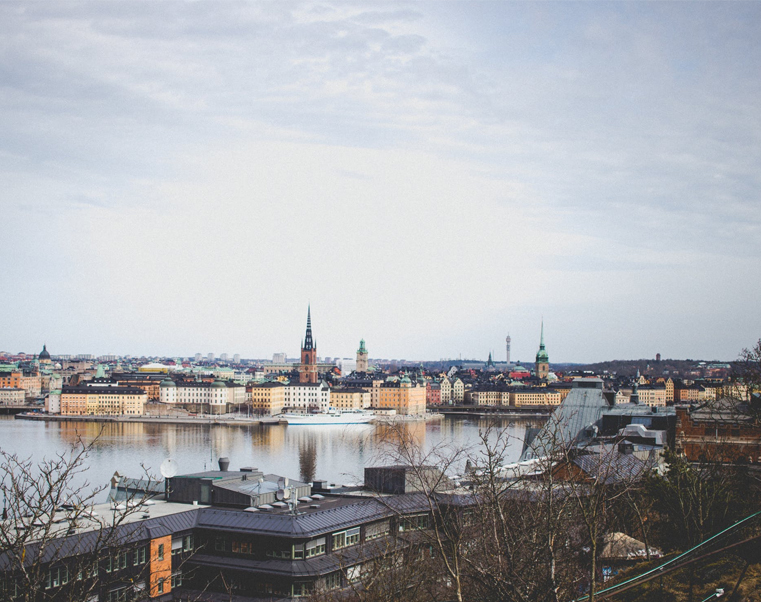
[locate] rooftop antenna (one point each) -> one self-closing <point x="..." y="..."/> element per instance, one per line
<point x="168" y="468"/>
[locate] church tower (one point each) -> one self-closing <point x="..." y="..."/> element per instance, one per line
<point x="308" y="367"/>
<point x="542" y="359"/>
<point x="362" y="357"/>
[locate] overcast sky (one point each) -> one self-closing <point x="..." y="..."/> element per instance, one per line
<point x="187" y="177"/>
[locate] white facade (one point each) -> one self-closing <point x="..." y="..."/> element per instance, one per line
<point x="10" y="396"/>
<point x="346" y="365"/>
<point x="214" y="394"/>
<point x="53" y="402"/>
<point x="302" y="395"/>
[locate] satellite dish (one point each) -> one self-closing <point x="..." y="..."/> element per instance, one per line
<point x="168" y="468"/>
<point x="286" y="493"/>
<point x="280" y="495"/>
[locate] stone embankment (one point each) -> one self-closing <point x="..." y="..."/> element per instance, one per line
<point x="182" y="420"/>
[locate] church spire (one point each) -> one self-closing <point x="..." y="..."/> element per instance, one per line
<point x="308" y="343"/>
<point x="541" y="338"/>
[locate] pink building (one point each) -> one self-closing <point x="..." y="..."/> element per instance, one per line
<point x="432" y="394"/>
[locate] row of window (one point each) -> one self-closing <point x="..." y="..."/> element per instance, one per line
<point x="316" y="547"/>
<point x="59" y="576"/>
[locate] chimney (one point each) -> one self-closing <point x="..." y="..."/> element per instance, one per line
<point x="224" y="464"/>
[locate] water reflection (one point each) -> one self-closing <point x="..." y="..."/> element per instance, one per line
<point x="307" y="461"/>
<point x="335" y="453"/>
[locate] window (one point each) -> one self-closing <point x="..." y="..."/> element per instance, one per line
<point x="57" y="577"/>
<point x="187" y="543"/>
<point x="298" y="551"/>
<point x="176" y="546"/>
<point x="243" y="547"/>
<point x="176" y="580"/>
<point x="300" y="590"/>
<point x="160" y="586"/>
<point x="139" y="557"/>
<point x="161" y="551"/>
<point x="333" y="581"/>
<point x="347" y="538"/>
<point x="413" y="523"/>
<point x="315" y="547"/>
<point x="220" y="544"/>
<point x="118" y="595"/>
<point x="377" y="530"/>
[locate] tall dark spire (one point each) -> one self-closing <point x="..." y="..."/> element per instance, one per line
<point x="308" y="343"/>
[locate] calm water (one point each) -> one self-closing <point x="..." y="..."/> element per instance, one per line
<point x="335" y="453"/>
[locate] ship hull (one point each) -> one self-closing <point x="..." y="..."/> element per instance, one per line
<point x="326" y="419"/>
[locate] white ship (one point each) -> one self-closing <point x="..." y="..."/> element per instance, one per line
<point x="332" y="416"/>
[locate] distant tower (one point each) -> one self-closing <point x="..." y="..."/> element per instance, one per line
<point x="44" y="357"/>
<point x="308" y="367"/>
<point x="657" y="357"/>
<point x="542" y="359"/>
<point x="362" y="357"/>
<point x="507" y="340"/>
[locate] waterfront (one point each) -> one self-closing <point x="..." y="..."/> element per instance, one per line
<point x="335" y="453"/>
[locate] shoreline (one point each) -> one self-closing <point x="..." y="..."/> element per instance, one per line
<point x="254" y="421"/>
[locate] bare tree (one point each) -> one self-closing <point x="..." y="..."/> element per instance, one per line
<point x="54" y="544"/>
<point x="521" y="523"/>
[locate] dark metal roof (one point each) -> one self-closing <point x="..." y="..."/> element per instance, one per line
<point x="615" y="468"/>
<point x="337" y="513"/>
<point x="89" y="541"/>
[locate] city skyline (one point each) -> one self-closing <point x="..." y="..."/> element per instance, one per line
<point x="430" y="176"/>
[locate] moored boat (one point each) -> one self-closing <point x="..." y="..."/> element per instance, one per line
<point x="330" y="417"/>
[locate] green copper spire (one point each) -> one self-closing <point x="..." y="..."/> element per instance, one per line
<point x="541" y="355"/>
<point x="362" y="348"/>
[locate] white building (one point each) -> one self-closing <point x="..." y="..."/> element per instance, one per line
<point x="236" y="358"/>
<point x="346" y="365"/>
<point x="53" y="402"/>
<point x="306" y="395"/>
<point x="219" y="395"/>
<point x="12" y="396"/>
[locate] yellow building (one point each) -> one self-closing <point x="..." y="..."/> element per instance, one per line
<point x="540" y="396"/>
<point x="103" y="401"/>
<point x="154" y="368"/>
<point x="488" y="397"/>
<point x="403" y="396"/>
<point x="458" y="391"/>
<point x="350" y="398"/>
<point x="652" y="395"/>
<point x="268" y="398"/>
<point x="446" y="391"/>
